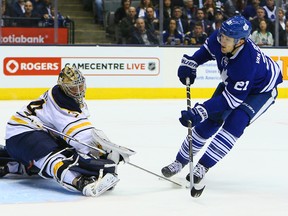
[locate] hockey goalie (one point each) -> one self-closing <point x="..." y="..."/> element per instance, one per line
<point x="78" y="156"/>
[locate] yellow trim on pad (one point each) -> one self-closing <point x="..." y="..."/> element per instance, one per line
<point x="120" y="93"/>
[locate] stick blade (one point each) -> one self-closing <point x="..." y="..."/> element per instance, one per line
<point x="196" y="192"/>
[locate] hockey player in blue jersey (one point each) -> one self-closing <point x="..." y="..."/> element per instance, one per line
<point x="248" y="89"/>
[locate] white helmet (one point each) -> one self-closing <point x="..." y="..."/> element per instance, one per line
<point x="72" y="82"/>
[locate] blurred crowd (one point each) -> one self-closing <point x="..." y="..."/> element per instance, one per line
<point x="185" y="22"/>
<point x="190" y="22"/>
<point x="30" y="13"/>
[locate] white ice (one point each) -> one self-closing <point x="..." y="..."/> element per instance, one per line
<point x="251" y="180"/>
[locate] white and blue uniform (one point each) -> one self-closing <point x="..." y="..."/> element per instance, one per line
<point x="248" y="89"/>
<point x="55" y="110"/>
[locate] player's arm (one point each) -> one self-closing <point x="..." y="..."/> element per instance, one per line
<point x="189" y="64"/>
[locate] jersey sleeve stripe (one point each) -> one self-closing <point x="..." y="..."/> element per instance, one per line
<point x="76" y="127"/>
<point x="207" y="48"/>
<point x="18" y="120"/>
<point x="275" y="71"/>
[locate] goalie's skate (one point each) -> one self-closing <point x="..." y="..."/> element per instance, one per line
<point x="92" y="187"/>
<point x="172" y="169"/>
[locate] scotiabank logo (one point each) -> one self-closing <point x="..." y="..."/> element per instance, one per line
<point x="31" y="66"/>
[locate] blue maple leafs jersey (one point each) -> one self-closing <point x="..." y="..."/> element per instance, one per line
<point x="248" y="71"/>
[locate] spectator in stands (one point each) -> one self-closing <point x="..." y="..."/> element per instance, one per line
<point x="168" y="9"/>
<point x="282" y="23"/>
<point x="197" y="36"/>
<point x="171" y="36"/>
<point x="151" y="22"/>
<point x="127" y="25"/>
<point x="141" y="9"/>
<point x="262" y="37"/>
<point x="233" y="7"/>
<point x="30" y="19"/>
<point x="206" y="24"/>
<point x="189" y="10"/>
<point x="141" y="35"/>
<point x="122" y="11"/>
<point x="18" y="8"/>
<point x="249" y="11"/>
<point x="283" y="36"/>
<point x="50" y="19"/>
<point x="210" y="9"/>
<point x="182" y="23"/>
<point x="219" y="18"/>
<point x="261" y="16"/>
<point x="282" y="19"/>
<point x="45" y="8"/>
<point x="270" y="9"/>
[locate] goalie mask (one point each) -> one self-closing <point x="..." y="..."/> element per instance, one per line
<point x="72" y="82"/>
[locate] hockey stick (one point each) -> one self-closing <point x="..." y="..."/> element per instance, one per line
<point x="74" y="139"/>
<point x="104" y="152"/>
<point x="162" y="177"/>
<point x="193" y="191"/>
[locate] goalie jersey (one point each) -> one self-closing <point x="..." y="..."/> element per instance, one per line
<point x="55" y="110"/>
<point x="248" y="71"/>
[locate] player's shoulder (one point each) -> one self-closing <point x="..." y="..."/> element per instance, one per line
<point x="63" y="101"/>
<point x="248" y="54"/>
<point x="243" y="63"/>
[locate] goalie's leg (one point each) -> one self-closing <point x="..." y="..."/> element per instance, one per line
<point x="9" y="165"/>
<point x="41" y="149"/>
<point x="91" y="178"/>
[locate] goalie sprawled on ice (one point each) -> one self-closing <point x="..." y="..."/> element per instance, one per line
<point x="53" y="137"/>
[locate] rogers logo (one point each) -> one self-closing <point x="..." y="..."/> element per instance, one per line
<point x="12" y="66"/>
<point x="31" y="66"/>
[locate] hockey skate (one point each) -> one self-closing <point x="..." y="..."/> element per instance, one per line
<point x="91" y="186"/>
<point x="172" y="169"/>
<point x="199" y="172"/>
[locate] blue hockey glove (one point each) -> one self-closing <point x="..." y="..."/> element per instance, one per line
<point x="187" y="68"/>
<point x="196" y="115"/>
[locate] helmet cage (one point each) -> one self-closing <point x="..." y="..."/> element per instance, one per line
<point x="72" y="82"/>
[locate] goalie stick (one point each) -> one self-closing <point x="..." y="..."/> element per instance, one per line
<point x="102" y="141"/>
<point x="193" y="191"/>
<point x="162" y="177"/>
<point x="111" y="145"/>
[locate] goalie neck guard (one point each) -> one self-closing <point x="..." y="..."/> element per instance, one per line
<point x="72" y="82"/>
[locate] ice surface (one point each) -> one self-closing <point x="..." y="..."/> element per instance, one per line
<point x="251" y="180"/>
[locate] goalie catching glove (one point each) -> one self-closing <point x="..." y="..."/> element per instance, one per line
<point x="114" y="152"/>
